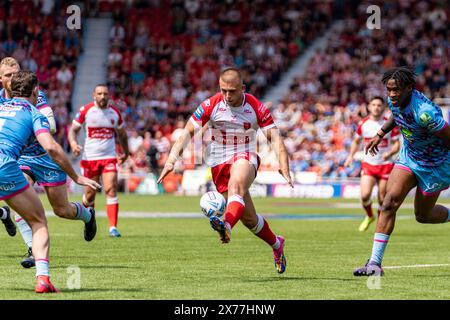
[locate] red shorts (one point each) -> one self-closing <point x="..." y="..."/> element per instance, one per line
<point x="381" y="171"/>
<point x="221" y="172"/>
<point x="94" y="168"/>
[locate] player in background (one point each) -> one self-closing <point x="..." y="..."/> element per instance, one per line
<point x="424" y="160"/>
<point x="234" y="117"/>
<point x="38" y="167"/>
<point x="375" y="169"/>
<point x="103" y="122"/>
<point x="20" y="124"/>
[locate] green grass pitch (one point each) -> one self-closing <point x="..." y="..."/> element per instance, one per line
<point x="181" y="258"/>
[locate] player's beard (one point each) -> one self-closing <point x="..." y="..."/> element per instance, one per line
<point x="102" y="103"/>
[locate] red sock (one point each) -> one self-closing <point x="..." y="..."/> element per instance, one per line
<point x="235" y="209"/>
<point x="112" y="210"/>
<point x="262" y="231"/>
<point x="368" y="209"/>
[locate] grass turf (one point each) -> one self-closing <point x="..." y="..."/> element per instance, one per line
<point x="183" y="259"/>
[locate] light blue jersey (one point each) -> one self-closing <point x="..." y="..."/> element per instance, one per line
<point x="20" y="123"/>
<point x="423" y="153"/>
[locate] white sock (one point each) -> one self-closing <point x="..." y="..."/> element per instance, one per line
<point x="277" y="244"/>
<point x="42" y="267"/>
<point x="3" y="214"/>
<point x="25" y="231"/>
<point x="112" y="228"/>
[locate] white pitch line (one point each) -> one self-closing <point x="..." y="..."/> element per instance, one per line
<point x="419" y="266"/>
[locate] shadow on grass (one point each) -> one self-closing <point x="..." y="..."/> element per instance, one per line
<point x="283" y="278"/>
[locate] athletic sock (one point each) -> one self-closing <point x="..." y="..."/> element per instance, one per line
<point x="3" y="214"/>
<point x="368" y="208"/>
<point x="25" y="230"/>
<point x="235" y="209"/>
<point x="112" y="210"/>
<point x="380" y="242"/>
<point x="42" y="267"/>
<point x="262" y="231"/>
<point x="448" y="217"/>
<point x="83" y="213"/>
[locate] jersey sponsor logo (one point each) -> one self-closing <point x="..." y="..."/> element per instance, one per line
<point x="101" y="133"/>
<point x="222" y="109"/>
<point x="425" y="118"/>
<point x="247" y="110"/>
<point x="199" y="112"/>
<point x="406" y="133"/>
<point x="44" y="123"/>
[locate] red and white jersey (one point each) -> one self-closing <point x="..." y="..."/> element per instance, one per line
<point x="233" y="129"/>
<point x="101" y="125"/>
<point x="367" y="129"/>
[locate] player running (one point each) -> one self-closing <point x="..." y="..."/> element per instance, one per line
<point x="234" y="117"/>
<point x="20" y="124"/>
<point x="102" y="121"/>
<point x="423" y="162"/>
<point x="375" y="169"/>
<point x="38" y="166"/>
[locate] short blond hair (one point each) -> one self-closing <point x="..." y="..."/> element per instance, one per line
<point x="9" y="61"/>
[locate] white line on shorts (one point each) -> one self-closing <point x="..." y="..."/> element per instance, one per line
<point x="419" y="266"/>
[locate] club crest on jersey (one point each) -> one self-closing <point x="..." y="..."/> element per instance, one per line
<point x="247" y="111"/>
<point x="112" y="121"/>
<point x="247" y="125"/>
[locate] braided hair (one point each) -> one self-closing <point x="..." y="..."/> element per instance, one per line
<point x="403" y="76"/>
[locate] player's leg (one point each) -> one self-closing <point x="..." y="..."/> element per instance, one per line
<point x="5" y="217"/>
<point x="400" y="182"/>
<point x="367" y="183"/>
<point x="242" y="174"/>
<point x="30" y="208"/>
<point x="260" y="227"/>
<point x="112" y="201"/>
<point x="431" y="181"/>
<point x="57" y="196"/>
<point x="28" y="260"/>
<point x="90" y="170"/>
<point x="427" y="211"/>
<point x="382" y="187"/>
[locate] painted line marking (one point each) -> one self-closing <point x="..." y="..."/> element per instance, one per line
<point x="419" y="266"/>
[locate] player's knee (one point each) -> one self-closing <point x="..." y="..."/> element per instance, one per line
<point x="111" y="193"/>
<point x="365" y="197"/>
<point x="236" y="187"/>
<point x="391" y="203"/>
<point x="422" y="216"/>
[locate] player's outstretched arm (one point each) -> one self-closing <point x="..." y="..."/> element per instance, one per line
<point x="177" y="150"/>
<point x="273" y="135"/>
<point x="353" y="149"/>
<point x="74" y="146"/>
<point x="123" y="140"/>
<point x="372" y="145"/>
<point x="57" y="154"/>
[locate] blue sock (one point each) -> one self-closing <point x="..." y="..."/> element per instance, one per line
<point x="83" y="213"/>
<point x="380" y="242"/>
<point x="448" y="217"/>
<point x="42" y="268"/>
<point x="25" y="230"/>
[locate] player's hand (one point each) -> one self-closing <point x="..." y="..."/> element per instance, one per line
<point x="372" y="145"/>
<point x="348" y="162"/>
<point x="386" y="156"/>
<point x="287" y="176"/>
<point x="83" y="181"/>
<point x="76" y="149"/>
<point x="122" y="157"/>
<point x="168" y="168"/>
